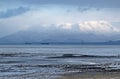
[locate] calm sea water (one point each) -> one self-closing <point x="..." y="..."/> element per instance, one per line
<point x="12" y="56"/>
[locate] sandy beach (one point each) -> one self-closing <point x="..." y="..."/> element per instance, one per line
<point x="87" y="75"/>
<point x="92" y="75"/>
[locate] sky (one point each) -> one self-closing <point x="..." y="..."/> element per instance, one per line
<point x="99" y="17"/>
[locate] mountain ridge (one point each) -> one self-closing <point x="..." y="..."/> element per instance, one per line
<point x="55" y="37"/>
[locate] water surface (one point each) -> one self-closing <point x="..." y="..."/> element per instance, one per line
<point x="23" y="59"/>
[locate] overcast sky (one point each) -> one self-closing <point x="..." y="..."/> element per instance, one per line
<point x="89" y="16"/>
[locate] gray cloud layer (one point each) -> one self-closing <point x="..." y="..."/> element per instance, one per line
<point x="87" y="14"/>
<point x="91" y="3"/>
<point x="13" y="12"/>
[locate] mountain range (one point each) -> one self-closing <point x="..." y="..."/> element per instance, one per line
<point x="56" y="36"/>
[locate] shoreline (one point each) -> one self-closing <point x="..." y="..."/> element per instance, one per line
<point x="65" y="71"/>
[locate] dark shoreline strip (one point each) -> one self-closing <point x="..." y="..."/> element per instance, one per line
<point x="83" y="56"/>
<point x="80" y="68"/>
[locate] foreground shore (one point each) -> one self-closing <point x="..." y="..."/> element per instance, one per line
<point x="92" y="75"/>
<point x="67" y="71"/>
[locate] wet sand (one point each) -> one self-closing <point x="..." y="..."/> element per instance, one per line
<point x="62" y="71"/>
<point x="92" y="75"/>
<point x="66" y="72"/>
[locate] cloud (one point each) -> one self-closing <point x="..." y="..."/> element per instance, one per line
<point x="13" y="12"/>
<point x="89" y="3"/>
<point x="95" y="27"/>
<point x="60" y="20"/>
<point x="65" y="25"/>
<point x="99" y="27"/>
<point x="63" y="16"/>
<point x="83" y="9"/>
